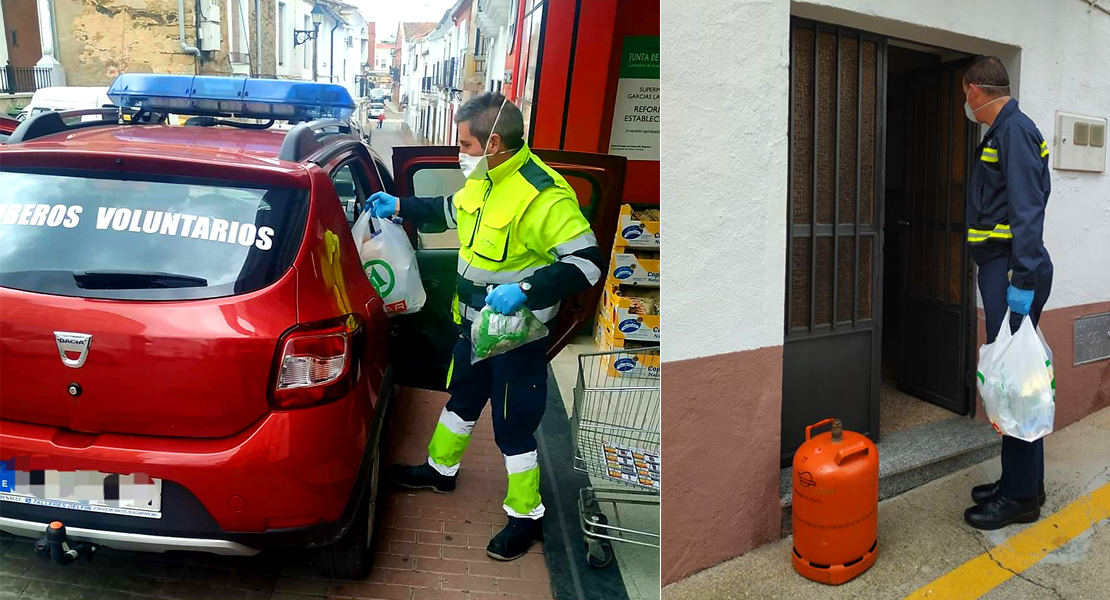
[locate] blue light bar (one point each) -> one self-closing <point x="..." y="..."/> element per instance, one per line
<point x="232" y="96"/>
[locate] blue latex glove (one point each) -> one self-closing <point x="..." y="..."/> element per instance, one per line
<point x="381" y="205"/>
<point x="1020" y="301"/>
<point x="506" y="298"/>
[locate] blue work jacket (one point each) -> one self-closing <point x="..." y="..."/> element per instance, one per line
<point x="1010" y="184"/>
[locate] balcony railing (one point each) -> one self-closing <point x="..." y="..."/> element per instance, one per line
<point x="23" y="80"/>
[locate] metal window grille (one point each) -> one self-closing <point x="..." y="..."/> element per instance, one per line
<point x="835" y="179"/>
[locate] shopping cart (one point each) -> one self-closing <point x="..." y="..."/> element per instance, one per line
<point x="616" y="442"/>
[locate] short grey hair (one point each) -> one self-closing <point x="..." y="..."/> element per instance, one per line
<point x="480" y="113"/>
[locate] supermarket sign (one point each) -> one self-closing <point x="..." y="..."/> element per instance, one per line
<point x="636" y="108"/>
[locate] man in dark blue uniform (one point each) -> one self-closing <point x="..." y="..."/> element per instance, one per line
<point x="1010" y="184"/>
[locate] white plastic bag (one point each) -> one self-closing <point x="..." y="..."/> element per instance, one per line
<point x="493" y="333"/>
<point x="390" y="263"/>
<point x="1017" y="383"/>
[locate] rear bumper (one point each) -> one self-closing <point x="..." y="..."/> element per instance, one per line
<point x="130" y="541"/>
<point x="292" y="479"/>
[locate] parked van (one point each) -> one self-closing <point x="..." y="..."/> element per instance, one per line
<point x="65" y="98"/>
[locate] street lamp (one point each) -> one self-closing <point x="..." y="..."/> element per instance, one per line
<point x="301" y="36"/>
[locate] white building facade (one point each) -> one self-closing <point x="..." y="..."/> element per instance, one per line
<point x="462" y="57"/>
<point x="342" y="43"/>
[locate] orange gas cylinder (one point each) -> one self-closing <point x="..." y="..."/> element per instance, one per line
<point x="836" y="505"/>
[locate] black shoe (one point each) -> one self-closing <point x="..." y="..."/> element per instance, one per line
<point x="983" y="493"/>
<point x="515" y="539"/>
<point x="1001" y="511"/>
<point x="422" y="477"/>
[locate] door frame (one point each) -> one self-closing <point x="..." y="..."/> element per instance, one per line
<point x="815" y="333"/>
<point x="969" y="325"/>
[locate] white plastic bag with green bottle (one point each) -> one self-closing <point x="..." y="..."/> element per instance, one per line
<point x="1017" y="382"/>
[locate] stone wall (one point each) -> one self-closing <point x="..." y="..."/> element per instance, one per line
<point x="99" y="39"/>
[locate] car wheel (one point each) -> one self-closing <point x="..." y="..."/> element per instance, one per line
<point x="353" y="555"/>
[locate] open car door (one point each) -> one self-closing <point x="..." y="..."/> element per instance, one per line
<point x="422" y="343"/>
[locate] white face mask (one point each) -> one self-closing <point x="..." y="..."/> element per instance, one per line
<point x="473" y="167"/>
<point x="476" y="167"/>
<point x="970" y="112"/>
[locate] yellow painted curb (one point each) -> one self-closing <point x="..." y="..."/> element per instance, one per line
<point x="985" y="572"/>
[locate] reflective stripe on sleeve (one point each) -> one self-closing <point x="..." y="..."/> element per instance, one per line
<point x="449" y="213"/>
<point x="581" y="242"/>
<point x="589" y="269"/>
<point x="1000" y="232"/>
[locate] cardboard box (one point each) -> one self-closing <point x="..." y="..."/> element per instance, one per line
<point x="628" y="269"/>
<point x="622" y="321"/>
<point x="629" y="365"/>
<point x="636" y="233"/>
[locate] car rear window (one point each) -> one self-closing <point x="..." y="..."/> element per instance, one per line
<point x="137" y="239"/>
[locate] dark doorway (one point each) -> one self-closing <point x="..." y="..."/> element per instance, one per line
<point x="928" y="310"/>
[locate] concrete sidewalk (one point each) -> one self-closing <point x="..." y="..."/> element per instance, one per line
<point x="927" y="551"/>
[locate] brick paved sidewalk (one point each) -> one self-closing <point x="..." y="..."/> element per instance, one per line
<point x="431" y="546"/>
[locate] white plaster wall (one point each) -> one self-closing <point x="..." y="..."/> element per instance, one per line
<point x="723" y="174"/>
<point x="724" y="187"/>
<point x="3" y="46"/>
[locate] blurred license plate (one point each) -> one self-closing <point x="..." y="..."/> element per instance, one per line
<point x="133" y="495"/>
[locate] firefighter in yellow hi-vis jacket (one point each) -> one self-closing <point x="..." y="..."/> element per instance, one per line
<point x="520" y="231"/>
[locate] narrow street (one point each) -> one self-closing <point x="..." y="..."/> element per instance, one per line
<point x="383" y="140"/>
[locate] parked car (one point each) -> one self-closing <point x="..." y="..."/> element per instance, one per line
<point x="188" y="329"/>
<point x="65" y="98"/>
<point x="7" y="126"/>
<point x="377" y="109"/>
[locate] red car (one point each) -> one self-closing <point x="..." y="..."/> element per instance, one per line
<point x="192" y="357"/>
<point x="7" y="127"/>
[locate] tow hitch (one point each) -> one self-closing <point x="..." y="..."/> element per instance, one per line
<point x="53" y="544"/>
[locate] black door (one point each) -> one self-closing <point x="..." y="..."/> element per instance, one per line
<point x="833" y="275"/>
<point x="937" y="289"/>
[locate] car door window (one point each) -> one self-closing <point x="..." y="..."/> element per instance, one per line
<point x="385" y="176"/>
<point x="431" y="182"/>
<point x="350" y="186"/>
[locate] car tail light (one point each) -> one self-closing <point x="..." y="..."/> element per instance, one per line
<point x="316" y="363"/>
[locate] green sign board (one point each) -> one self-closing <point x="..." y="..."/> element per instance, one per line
<point x="640" y="58"/>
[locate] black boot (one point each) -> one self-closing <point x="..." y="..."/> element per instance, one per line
<point x="983" y="493"/>
<point x="421" y="477"/>
<point x="515" y="539"/>
<point x="1001" y="511"/>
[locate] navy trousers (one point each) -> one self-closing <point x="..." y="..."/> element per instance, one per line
<point x="1022" y="462"/>
<point x="514" y="382"/>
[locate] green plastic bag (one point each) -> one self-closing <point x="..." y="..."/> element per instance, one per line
<point x="493" y="333"/>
